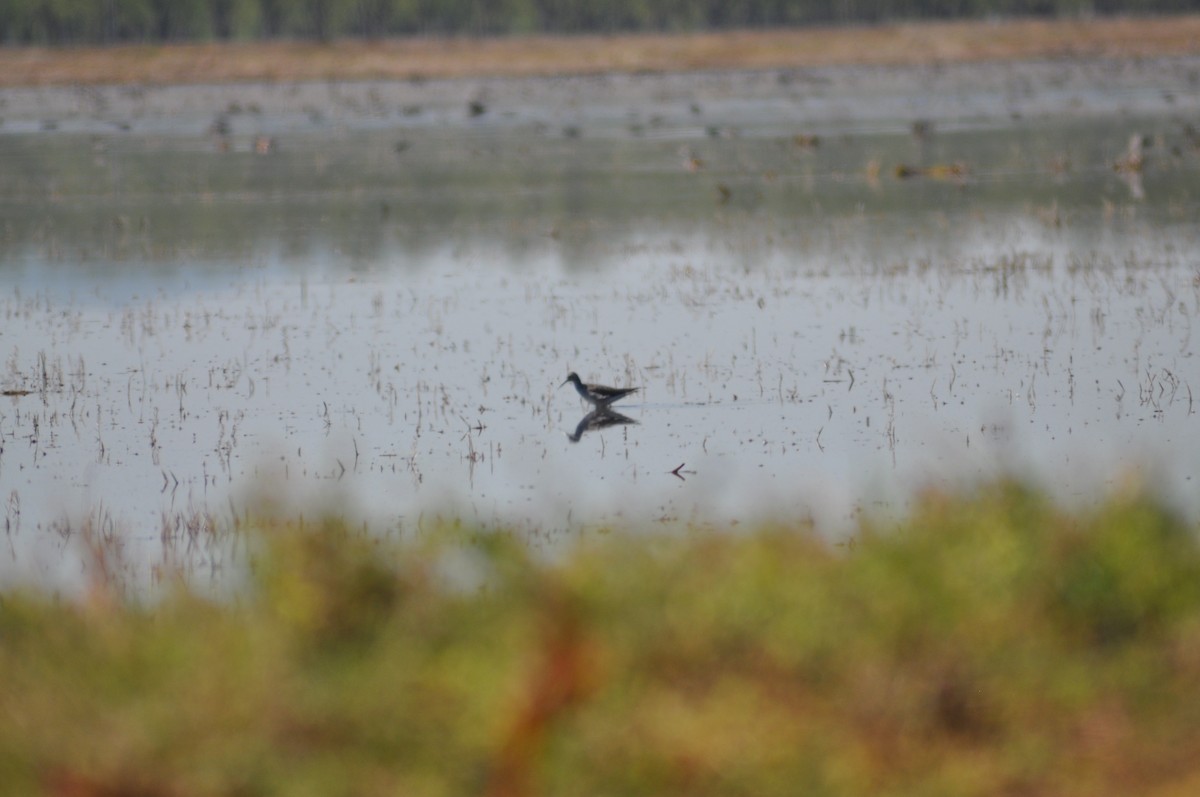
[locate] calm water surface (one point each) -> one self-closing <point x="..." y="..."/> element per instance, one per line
<point x="374" y="319"/>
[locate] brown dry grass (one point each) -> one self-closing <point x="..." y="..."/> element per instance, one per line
<point x="904" y="44"/>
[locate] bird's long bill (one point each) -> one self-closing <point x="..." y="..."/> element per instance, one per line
<point x="564" y="382"/>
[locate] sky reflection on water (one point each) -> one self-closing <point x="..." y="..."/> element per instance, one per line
<point x="381" y="330"/>
<point x="790" y="389"/>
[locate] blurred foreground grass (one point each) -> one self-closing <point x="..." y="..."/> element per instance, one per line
<point x="987" y="645"/>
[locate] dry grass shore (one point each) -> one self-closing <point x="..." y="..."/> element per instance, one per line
<point x="901" y="44"/>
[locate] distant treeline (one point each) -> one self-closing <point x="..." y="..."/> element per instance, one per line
<point x="103" y="21"/>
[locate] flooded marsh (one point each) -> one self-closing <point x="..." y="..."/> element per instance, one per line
<point x="832" y="286"/>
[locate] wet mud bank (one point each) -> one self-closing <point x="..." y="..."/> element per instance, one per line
<point x="845" y="96"/>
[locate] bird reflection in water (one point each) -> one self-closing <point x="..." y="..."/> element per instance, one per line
<point x="597" y="419"/>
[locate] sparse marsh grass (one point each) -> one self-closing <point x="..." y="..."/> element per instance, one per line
<point x="782" y="387"/>
<point x="987" y="644"/>
<point x="378" y="302"/>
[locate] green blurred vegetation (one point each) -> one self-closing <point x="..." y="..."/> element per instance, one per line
<point x="992" y="644"/>
<point x="78" y="21"/>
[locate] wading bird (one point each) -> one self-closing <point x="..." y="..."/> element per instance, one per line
<point x="598" y="395"/>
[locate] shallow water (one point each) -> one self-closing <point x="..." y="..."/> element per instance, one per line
<point x="377" y="318"/>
